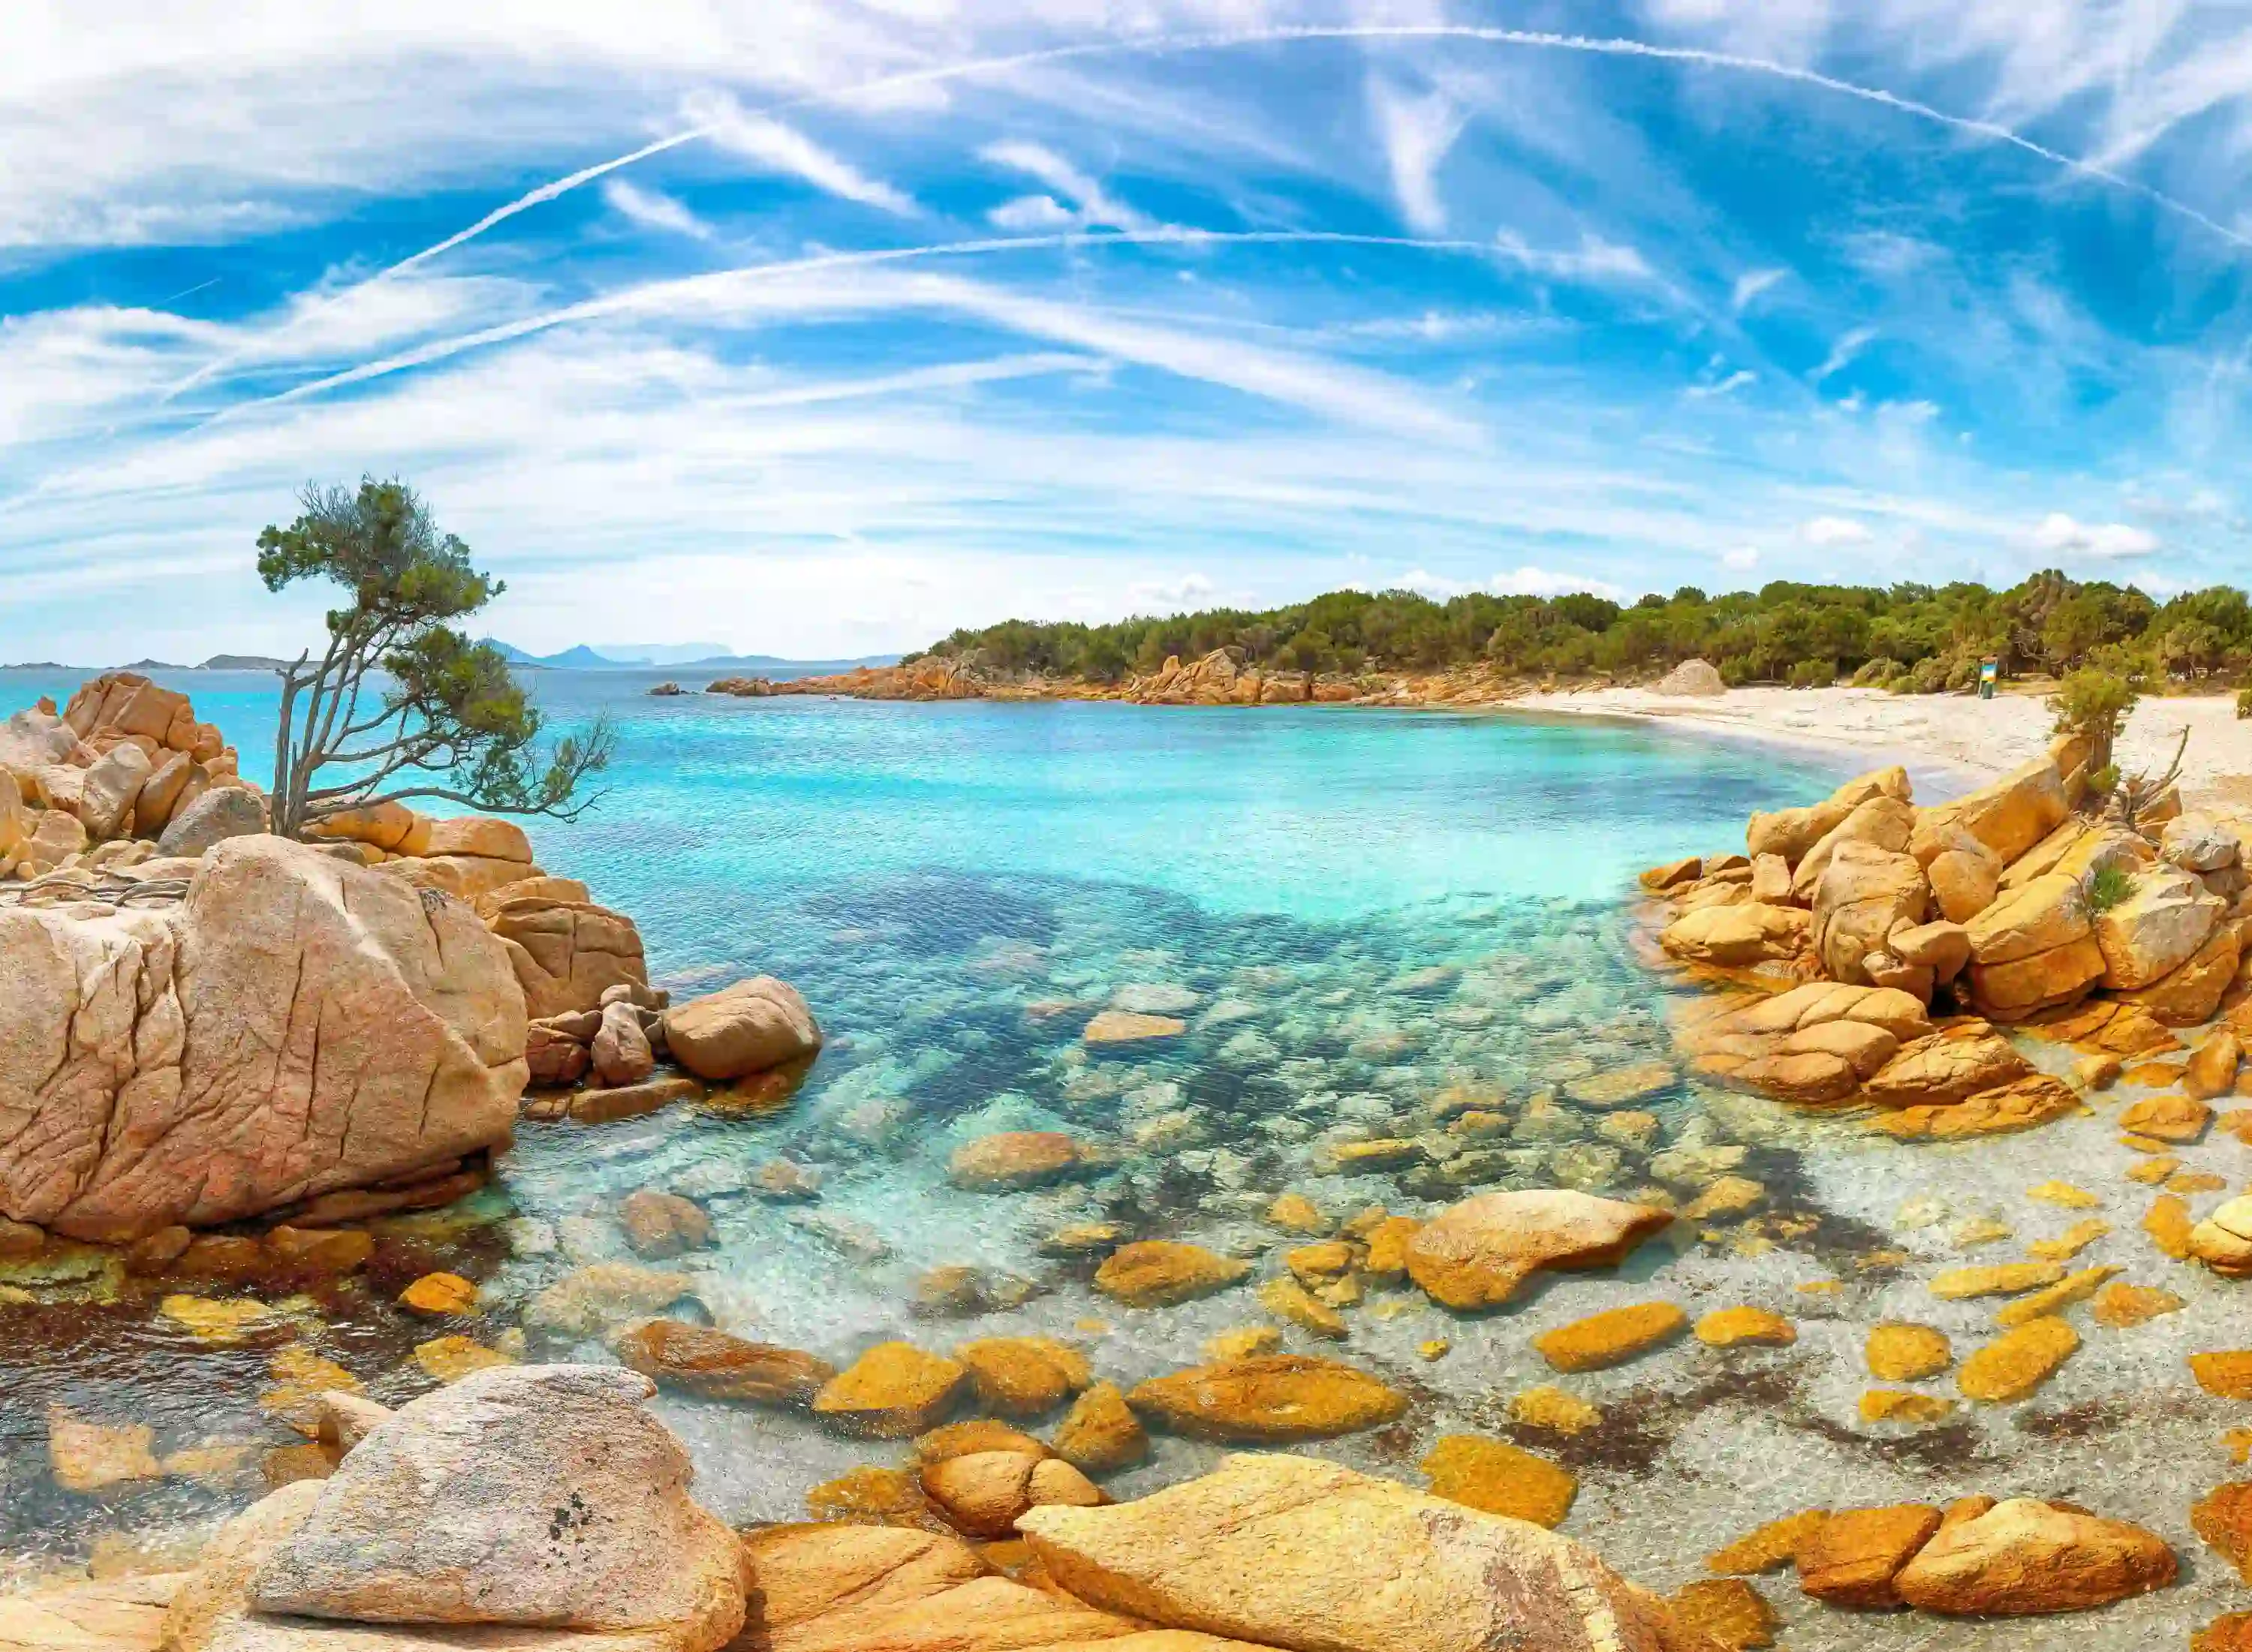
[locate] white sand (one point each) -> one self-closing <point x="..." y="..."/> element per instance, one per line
<point x="1979" y="738"/>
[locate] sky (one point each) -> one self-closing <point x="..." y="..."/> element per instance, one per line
<point x="818" y="328"/>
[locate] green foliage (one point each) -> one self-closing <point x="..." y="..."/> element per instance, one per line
<point x="2244" y="702"/>
<point x="2093" y="704"/>
<point x="1813" y="674"/>
<point x="2107" y="887"/>
<point x="1921" y="638"/>
<point x="399" y="704"/>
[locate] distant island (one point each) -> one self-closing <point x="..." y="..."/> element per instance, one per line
<point x="640" y="656"/>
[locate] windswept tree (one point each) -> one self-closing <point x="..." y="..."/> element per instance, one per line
<point x="400" y="706"/>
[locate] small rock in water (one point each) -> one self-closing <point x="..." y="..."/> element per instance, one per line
<point x="1898" y="1353"/>
<point x="1851" y="1559"/>
<point x="2018" y="1362"/>
<point x="1283" y="1397"/>
<point x="589" y="1300"/>
<point x="1101" y="1434"/>
<point x="2024" y="1557"/>
<point x="659" y="1225"/>
<point x="893" y="1392"/>
<point x="1611" y="1337"/>
<point x="1162" y="1272"/>
<point x="451" y="1358"/>
<point x="1024" y="1375"/>
<point x="437" y="1294"/>
<point x="714" y="1365"/>
<point x="1730" y="1327"/>
<point x="1500" y="1479"/>
<point x="1554" y="1410"/>
<point x="1014" y="1160"/>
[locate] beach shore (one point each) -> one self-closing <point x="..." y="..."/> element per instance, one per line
<point x="1982" y="738"/>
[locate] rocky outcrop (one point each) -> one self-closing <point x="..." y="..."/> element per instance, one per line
<point x="566" y="952"/>
<point x="742" y="1030"/>
<point x="933" y="678"/>
<point x="2023" y="1558"/>
<point x="1288" y="1552"/>
<point x="1694" y="678"/>
<point x="295" y="1026"/>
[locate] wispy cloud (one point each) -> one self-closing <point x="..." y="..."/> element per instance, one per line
<point x="2061" y="535"/>
<point x="1842" y="354"/>
<point x="652" y="210"/>
<point x="1547" y="582"/>
<point x="1091" y="204"/>
<point x="1416" y="131"/>
<point x="1741" y="378"/>
<point x="1829" y="532"/>
<point x="781" y="148"/>
<point x="1752" y="285"/>
<point x="1595" y="261"/>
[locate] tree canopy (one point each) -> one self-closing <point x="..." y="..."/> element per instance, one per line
<point x="399" y="704"/>
<point x="1910" y="637"/>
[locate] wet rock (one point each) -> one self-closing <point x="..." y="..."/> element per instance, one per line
<point x="1245" y="1342"/>
<point x="631" y="1101"/>
<point x="2226" y="1376"/>
<point x="1554" y="1410"/>
<point x="2230" y="1632"/>
<point x="1902" y="1353"/>
<point x="21" y="1239"/>
<point x="620" y="1052"/>
<point x="1772" y="1547"/>
<point x="1162" y="1274"/>
<point x="451" y="1358"/>
<point x="659" y="1225"/>
<point x="1287" y="1299"/>
<point x="746" y="1029"/>
<point x="590" y="1300"/>
<point x="2223" y="1240"/>
<point x="1475" y="1254"/>
<point x="2065" y="1293"/>
<point x="1737" y="936"/>
<point x="893" y="1392"/>
<point x="2121" y="1306"/>
<point x="1658" y="880"/>
<point x="333" y="1251"/>
<point x="714" y="1365"/>
<point x="1116" y="1027"/>
<point x="448" y="1513"/>
<point x="1895" y="1406"/>
<point x="2168" y="1118"/>
<point x="437" y="1294"/>
<point x="1498" y="1478"/>
<point x="2024" y="1557"/>
<point x="1014" y="1160"/>
<point x="786" y="1181"/>
<point x="2018" y="1362"/>
<point x="566" y="951"/>
<point x="1101" y="1434"/>
<point x="1024" y="1375"/>
<point x="1611" y="1337"/>
<point x="157" y="1251"/>
<point x="89" y="1456"/>
<point x="2004" y="1278"/>
<point x="1621" y="1086"/>
<point x="1291" y="1551"/>
<point x="1296" y="1213"/>
<point x="1281" y="1397"/>
<point x="1729" y="1613"/>
<point x="1734" y="1326"/>
<point x="1947" y="1067"/>
<point x="984" y="1493"/>
<point x="2025" y="1105"/>
<point x="2223" y="1518"/>
<point x="1853" y="1557"/>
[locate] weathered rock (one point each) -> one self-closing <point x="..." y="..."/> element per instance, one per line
<point x="1947" y="1067"/>
<point x="437" y="1295"/>
<point x="2197" y="842"/>
<point x="1784" y="1046"/>
<point x="2023" y="1558"/>
<point x="659" y="1224"/>
<point x="2018" y="1362"/>
<point x="1101" y="1434"/>
<point x="2211" y="1069"/>
<point x="620" y="1052"/>
<point x="1288" y="1552"/>
<point x="552" y="1058"/>
<point x="1129" y="1027"/>
<point x="112" y="787"/>
<point x="1852" y="1557"/>
<point x="741" y="1030"/>
<point x="566" y="952"/>
<point x="1672" y="874"/>
<point x="2012" y="813"/>
<point x="1963" y="886"/>
<point x="801" y="1574"/>
<point x="86" y="1456"/>
<point x="1024" y="1375"/>
<point x="2025" y="1105"/>
<point x="451" y="1510"/>
<point x="1900" y="1353"/>
<point x="1162" y="1272"/>
<point x="1475" y="1254"/>
<point x="2223" y="1518"/>
<point x="1729" y="1613"/>
<point x="1281" y="1397"/>
<point x="2167" y="917"/>
<point x="589" y="1300"/>
<point x="2223" y="1240"/>
<point x="1942" y="947"/>
<point x="1013" y="1160"/>
<point x="985" y="1492"/>
<point x="1497" y="1478"/>
<point x="294" y="1027"/>
<point x="1880" y="823"/>
<point x="1738" y="1327"/>
<point x="1864" y="894"/>
<point x="893" y="1392"/>
<point x="224" y="812"/>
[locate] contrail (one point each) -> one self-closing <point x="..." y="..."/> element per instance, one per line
<point x="655" y="294"/>
<point x="1533" y="39"/>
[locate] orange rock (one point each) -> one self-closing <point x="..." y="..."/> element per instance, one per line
<point x="2168" y="1118"/>
<point x="1554" y="1410"/>
<point x="1899" y="1353"/>
<point x="2016" y="1362"/>
<point x="2005" y="1279"/>
<point x="2223" y="1518"/>
<point x="1160" y="1274"/>
<point x="1727" y="1612"/>
<point x="2064" y="1293"/>
<point x="1852" y="1557"/>
<point x="2170" y="1226"/>
<point x="1475" y="1254"/>
<point x="1014" y="1159"/>
<point x="2023" y="1106"/>
<point x="967" y="1439"/>
<point x="1280" y="1397"/>
<point x="984" y="1493"/>
<point x="893" y="1392"/>
<point x="1894" y="1404"/>
<point x="1024" y="1375"/>
<point x="2121" y="1306"/>
<point x="438" y="1293"/>
<point x="2226" y="1376"/>
<point x="1500" y="1479"/>
<point x="1612" y="1337"/>
<point x="1101" y="1434"/>
<point x="2024" y="1558"/>
<point x="1774" y="1545"/>
<point x="2230" y="1634"/>
<point x="1729" y="1326"/>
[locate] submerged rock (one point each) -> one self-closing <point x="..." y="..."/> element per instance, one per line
<point x="2023" y="1558"/>
<point x="742" y="1030"/>
<point x="1161" y="1273"/>
<point x="893" y="1392"/>
<point x="1475" y="1254"/>
<point x="714" y="1365"/>
<point x="1279" y="1397"/>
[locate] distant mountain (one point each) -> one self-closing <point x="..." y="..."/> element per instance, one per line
<point x="241" y="663"/>
<point x="646" y="657"/>
<point x="154" y="665"/>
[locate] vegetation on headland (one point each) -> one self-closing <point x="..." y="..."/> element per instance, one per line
<point x="399" y="704"/>
<point x="1908" y="638"/>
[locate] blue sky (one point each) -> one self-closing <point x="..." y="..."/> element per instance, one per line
<point x="923" y="312"/>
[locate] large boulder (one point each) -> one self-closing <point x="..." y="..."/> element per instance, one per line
<point x="33" y="741"/>
<point x="2033" y="949"/>
<point x="2166" y="916"/>
<point x="537" y="1495"/>
<point x="1736" y="936"/>
<point x="2012" y="813"/>
<point x="113" y="785"/>
<point x="738" y="1030"/>
<point x="1865" y="893"/>
<point x="2191" y="995"/>
<point x="1289" y="1551"/>
<point x="1475" y="1254"/>
<point x="2199" y="843"/>
<point x="1792" y="832"/>
<point x="1812" y="1045"/>
<point x="2023" y="1558"/>
<point x="295" y="1026"/>
<point x="1696" y="677"/>
<point x="221" y="813"/>
<point x="1884" y="823"/>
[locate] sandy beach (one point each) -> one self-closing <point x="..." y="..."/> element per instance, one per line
<point x="1979" y="738"/>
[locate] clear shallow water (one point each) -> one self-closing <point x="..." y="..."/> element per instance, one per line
<point x="1360" y="915"/>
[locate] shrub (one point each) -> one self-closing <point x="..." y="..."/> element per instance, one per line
<point x="2091" y="705"/>
<point x="1877" y="672"/>
<point x="2244" y="701"/>
<point x="1813" y="674"/>
<point x="2107" y="887"/>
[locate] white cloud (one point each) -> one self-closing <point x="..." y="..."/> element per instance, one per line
<point x="1596" y="261"/>
<point x="1750" y="285"/>
<point x="1095" y="205"/>
<point x="1165" y="595"/>
<point x="1842" y="353"/>
<point x="1743" y="557"/>
<point x="2060" y="534"/>
<point x="1830" y="531"/>
<point x="1545" y="582"/>
<point x="1416" y="133"/>
<point x="652" y="210"/>
<point x="1031" y="212"/>
<point x="781" y="148"/>
<point x="1728" y="386"/>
